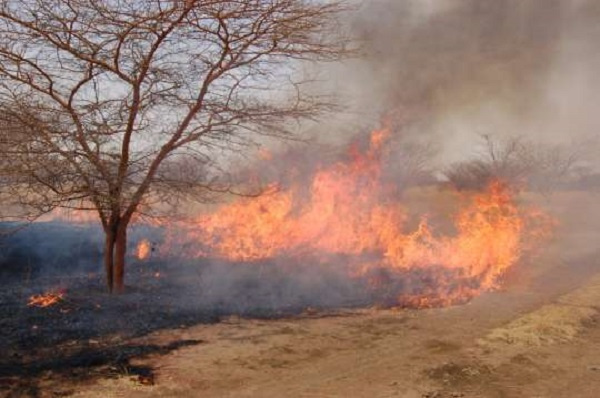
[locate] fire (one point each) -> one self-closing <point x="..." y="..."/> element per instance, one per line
<point x="350" y="213"/>
<point x="46" y="299"/>
<point x="143" y="249"/>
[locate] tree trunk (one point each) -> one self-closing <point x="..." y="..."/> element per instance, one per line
<point x="119" y="258"/>
<point x="115" y="250"/>
<point x="109" y="249"/>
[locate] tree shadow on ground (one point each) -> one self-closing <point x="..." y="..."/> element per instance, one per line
<point x="52" y="376"/>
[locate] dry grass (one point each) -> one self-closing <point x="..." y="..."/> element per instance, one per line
<point x="553" y="323"/>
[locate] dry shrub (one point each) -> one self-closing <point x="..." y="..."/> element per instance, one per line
<point x="520" y="162"/>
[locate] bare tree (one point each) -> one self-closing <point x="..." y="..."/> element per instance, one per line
<point x="522" y="162"/>
<point x="120" y="102"/>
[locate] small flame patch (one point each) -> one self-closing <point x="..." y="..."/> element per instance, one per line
<point x="143" y="249"/>
<point x="46" y="299"/>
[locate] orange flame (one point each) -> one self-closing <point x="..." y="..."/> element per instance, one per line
<point x="143" y="249"/>
<point x="45" y="300"/>
<point x="350" y="212"/>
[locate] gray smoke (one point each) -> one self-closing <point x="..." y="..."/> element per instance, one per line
<point x="451" y="70"/>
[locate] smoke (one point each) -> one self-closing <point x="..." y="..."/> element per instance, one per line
<point x="451" y="70"/>
<point x="442" y="73"/>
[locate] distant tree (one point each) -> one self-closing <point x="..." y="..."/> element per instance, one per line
<point x="118" y="103"/>
<point x="522" y="162"/>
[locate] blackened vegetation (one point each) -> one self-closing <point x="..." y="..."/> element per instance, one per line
<point x="88" y="333"/>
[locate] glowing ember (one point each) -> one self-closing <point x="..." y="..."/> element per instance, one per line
<point x="143" y="249"/>
<point x="45" y="300"/>
<point x="350" y="213"/>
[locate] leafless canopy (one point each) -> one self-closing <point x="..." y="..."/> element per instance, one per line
<point x="106" y="92"/>
<point x="115" y="101"/>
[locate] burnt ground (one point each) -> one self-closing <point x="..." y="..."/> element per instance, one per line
<point x="86" y="334"/>
<point x="261" y="335"/>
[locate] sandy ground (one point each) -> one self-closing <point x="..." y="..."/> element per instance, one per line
<point x="538" y="337"/>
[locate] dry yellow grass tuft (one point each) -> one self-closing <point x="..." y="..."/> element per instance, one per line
<point x="554" y="323"/>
